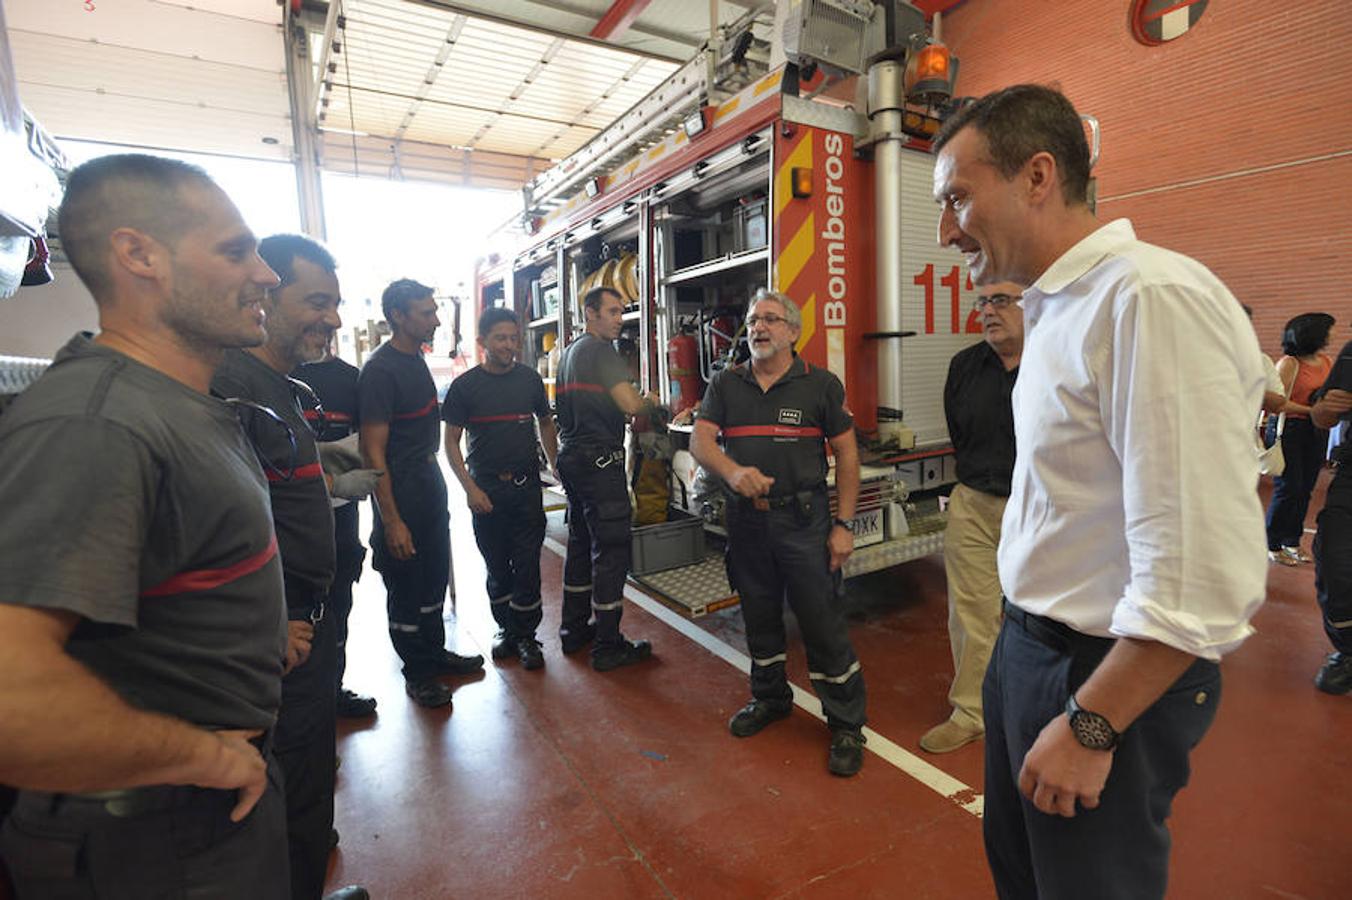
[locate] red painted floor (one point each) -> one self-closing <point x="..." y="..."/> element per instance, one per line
<point x="566" y="783"/>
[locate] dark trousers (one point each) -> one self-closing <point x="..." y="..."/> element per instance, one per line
<point x="1303" y="448"/>
<point x="780" y="553"/>
<point x="65" y="848"/>
<point x="304" y="744"/>
<point x="351" y="555"/>
<point x="1333" y="561"/>
<point x="415" y="588"/>
<point x="510" y="538"/>
<point x="597" y="561"/>
<point x="1121" y="849"/>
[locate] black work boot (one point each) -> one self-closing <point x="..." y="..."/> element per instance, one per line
<point x="454" y="664"/>
<point x="504" y="645"/>
<point x="351" y="705"/>
<point x="576" y="637"/>
<point x="753" y="717"/>
<point x="428" y="692"/>
<point x="625" y="653"/>
<point x="1335" y="676"/>
<point x="528" y="651"/>
<point x="847" y="752"/>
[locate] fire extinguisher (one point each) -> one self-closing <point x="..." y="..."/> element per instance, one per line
<point x="683" y="369"/>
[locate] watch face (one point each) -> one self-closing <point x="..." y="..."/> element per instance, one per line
<point x="1093" y="730"/>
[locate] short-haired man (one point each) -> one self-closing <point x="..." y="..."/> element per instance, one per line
<point x="1333" y="537"/>
<point x="142" y="626"/>
<point x="776" y="415"/>
<point x="981" y="427"/>
<point x="1131" y="552"/>
<point x="594" y="395"/>
<point x="499" y="402"/>
<point x="334" y="382"/>
<point x="410" y="543"/>
<point x="302" y="316"/>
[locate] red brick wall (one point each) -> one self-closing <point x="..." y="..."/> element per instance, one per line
<point x="1232" y="144"/>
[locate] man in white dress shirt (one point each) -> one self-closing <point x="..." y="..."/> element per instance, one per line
<point x="1131" y="555"/>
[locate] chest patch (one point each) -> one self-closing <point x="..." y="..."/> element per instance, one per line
<point x="790" y="417"/>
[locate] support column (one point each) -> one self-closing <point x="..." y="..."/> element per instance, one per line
<point x="304" y="131"/>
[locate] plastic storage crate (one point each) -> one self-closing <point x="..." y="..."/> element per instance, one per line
<point x="667" y="545"/>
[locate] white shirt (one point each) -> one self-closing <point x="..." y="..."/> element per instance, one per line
<point x="1274" y="378"/>
<point x="1134" y="510"/>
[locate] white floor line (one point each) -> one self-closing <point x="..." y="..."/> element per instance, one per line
<point x="930" y="776"/>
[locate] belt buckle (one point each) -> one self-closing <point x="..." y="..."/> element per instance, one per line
<point x="760" y="503"/>
<point x="520" y="482"/>
<point x="317" y="613"/>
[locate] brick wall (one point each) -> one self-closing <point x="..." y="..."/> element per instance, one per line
<point x="1232" y="144"/>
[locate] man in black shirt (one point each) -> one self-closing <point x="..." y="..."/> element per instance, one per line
<point x="302" y="316"/>
<point x="499" y="402"/>
<point x="594" y="396"/>
<point x="981" y="427"/>
<point x="410" y="544"/>
<point x="334" y="381"/>
<point x="142" y="625"/>
<point x="1333" y="539"/>
<point x="776" y="415"/>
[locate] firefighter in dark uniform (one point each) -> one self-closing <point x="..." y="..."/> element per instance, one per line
<point x="775" y="414"/>
<point x="1333" y="539"/>
<point x="499" y="403"/>
<point x="302" y="316"/>
<point x="334" y="382"/>
<point x="410" y="543"/>
<point x="593" y="396"/>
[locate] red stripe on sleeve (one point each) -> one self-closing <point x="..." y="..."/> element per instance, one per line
<point x="509" y="417"/>
<point x="313" y="470"/>
<point x="206" y="579"/>
<point x="418" y="414"/>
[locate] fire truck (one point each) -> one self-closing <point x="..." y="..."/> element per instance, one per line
<point x="798" y="161"/>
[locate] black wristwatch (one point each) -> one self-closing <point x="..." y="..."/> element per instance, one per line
<point x="848" y="526"/>
<point x="1092" y="730"/>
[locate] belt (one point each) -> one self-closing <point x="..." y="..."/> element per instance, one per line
<point x="1057" y="635"/>
<point x="767" y="503"/>
<point x="506" y="477"/>
<point x="138" y="801"/>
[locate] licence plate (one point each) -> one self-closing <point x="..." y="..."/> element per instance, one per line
<point x="868" y="528"/>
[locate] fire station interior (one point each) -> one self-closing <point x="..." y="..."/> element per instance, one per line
<point x="566" y="783"/>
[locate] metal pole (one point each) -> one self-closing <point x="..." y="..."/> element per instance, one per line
<point x="304" y="132"/>
<point x="886" y="94"/>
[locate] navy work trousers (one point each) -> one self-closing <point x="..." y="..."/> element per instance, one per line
<point x="510" y="538"/>
<point x="1121" y="849"/>
<point x="351" y="555"/>
<point x="304" y="743"/>
<point x="415" y="588"/>
<point x="1333" y="561"/>
<point x="597" y="561"/>
<point x="779" y="553"/>
<point x="60" y="847"/>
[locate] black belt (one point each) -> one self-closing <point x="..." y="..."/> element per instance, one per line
<point x="138" y="801"/>
<point x="507" y="476"/>
<point x="1057" y="635"/>
<point x="601" y="457"/>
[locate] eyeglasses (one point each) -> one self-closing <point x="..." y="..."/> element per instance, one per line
<point x="768" y="319"/>
<point x="258" y="420"/>
<point x="996" y="301"/>
<point x="310" y="406"/>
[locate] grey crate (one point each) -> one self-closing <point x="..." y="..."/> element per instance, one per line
<point x="667" y="545"/>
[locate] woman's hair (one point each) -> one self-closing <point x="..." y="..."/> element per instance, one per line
<point x="1307" y="333"/>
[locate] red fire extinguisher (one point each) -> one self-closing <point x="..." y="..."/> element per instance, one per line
<point x="683" y="369"/>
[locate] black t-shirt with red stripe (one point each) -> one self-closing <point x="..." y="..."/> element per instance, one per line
<point x="781" y="431"/>
<point x="334" y="381"/>
<point x="397" y="388"/>
<point x="137" y="503"/>
<point x="300" y="502"/>
<point x="498" y="411"/>
<point x="588" y="416"/>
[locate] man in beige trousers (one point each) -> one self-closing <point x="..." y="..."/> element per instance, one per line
<point x="981" y="426"/>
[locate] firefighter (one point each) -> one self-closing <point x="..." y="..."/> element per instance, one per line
<point x="594" y="395"/>
<point x="775" y="414"/>
<point x="302" y="316"/>
<point x="499" y="402"/>
<point x="410" y="543"/>
<point x="142" y="625"/>
<point x="334" y="382"/>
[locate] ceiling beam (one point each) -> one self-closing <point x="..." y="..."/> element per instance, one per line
<point x="618" y="18"/>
